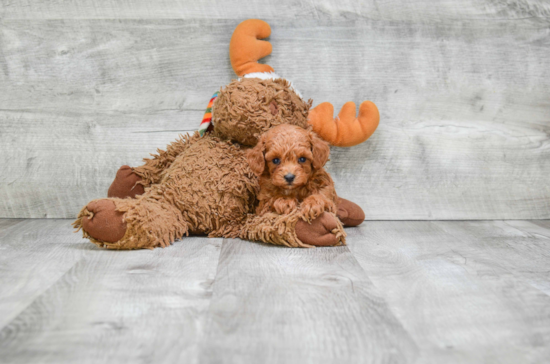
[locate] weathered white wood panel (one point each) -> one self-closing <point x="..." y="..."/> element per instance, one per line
<point x="400" y="292"/>
<point x="34" y="255"/>
<point x="280" y="305"/>
<point x="464" y="290"/>
<point x="423" y="11"/>
<point x="465" y="114"/>
<point x="67" y="301"/>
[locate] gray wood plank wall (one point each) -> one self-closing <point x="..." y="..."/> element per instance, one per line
<point x="463" y="89"/>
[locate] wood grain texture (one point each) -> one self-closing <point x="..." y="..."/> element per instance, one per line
<point x="424" y="11"/>
<point x="400" y="292"/>
<point x="280" y="305"/>
<point x="33" y="257"/>
<point x="66" y="301"/>
<point x="464" y="290"/>
<point x="6" y="224"/>
<point x="465" y="114"/>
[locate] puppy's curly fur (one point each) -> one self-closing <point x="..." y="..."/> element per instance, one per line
<point x="289" y="161"/>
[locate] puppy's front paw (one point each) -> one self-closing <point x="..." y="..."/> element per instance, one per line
<point x="284" y="206"/>
<point x="312" y="207"/>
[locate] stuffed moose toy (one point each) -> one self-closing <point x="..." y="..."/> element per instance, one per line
<point x="202" y="184"/>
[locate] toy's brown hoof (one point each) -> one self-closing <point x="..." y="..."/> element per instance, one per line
<point x="104" y="223"/>
<point x="319" y="232"/>
<point x="125" y="184"/>
<point x="349" y="213"/>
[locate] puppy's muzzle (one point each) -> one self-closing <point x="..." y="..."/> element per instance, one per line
<point x="289" y="177"/>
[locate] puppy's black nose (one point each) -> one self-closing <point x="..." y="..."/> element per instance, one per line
<point x="289" y="177"/>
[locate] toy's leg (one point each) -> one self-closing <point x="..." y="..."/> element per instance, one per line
<point x="349" y="213"/>
<point x="131" y="182"/>
<point x="326" y="230"/>
<point x="152" y="171"/>
<point x="290" y="230"/>
<point x="126" y="184"/>
<point x="148" y="221"/>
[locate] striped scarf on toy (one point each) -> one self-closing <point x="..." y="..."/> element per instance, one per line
<point x="206" y="123"/>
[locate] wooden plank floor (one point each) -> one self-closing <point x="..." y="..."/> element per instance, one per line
<point x="400" y="292"/>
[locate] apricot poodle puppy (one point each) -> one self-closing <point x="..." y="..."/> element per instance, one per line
<point x="289" y="162"/>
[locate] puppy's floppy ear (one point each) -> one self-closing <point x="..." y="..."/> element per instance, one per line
<point x="255" y="157"/>
<point x="320" y="150"/>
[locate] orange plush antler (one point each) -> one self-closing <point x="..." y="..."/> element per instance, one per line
<point x="345" y="130"/>
<point x="246" y="48"/>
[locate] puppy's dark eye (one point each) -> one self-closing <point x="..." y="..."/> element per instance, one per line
<point x="302" y="159"/>
<point x="276" y="161"/>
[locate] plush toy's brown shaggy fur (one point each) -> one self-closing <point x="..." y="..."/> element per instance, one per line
<point x="289" y="161"/>
<point x="205" y="185"/>
<point x="247" y="108"/>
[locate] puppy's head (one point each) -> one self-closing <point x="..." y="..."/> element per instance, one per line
<point x="288" y="155"/>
